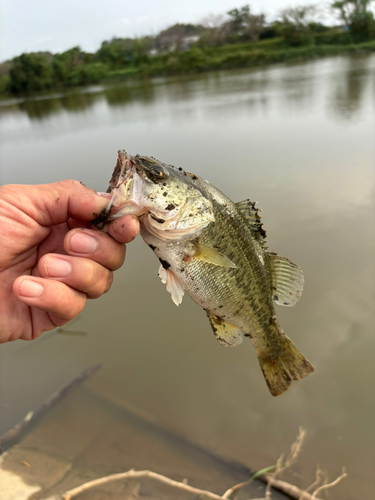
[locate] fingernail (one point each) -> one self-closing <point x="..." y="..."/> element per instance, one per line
<point x="30" y="288"/>
<point x="83" y="243"/>
<point x="108" y="196"/>
<point x="57" y="268"/>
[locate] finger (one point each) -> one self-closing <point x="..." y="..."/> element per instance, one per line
<point x="56" y="298"/>
<point x="95" y="245"/>
<point x="124" y="229"/>
<point x="79" y="273"/>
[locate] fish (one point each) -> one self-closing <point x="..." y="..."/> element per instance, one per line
<point x="215" y="251"/>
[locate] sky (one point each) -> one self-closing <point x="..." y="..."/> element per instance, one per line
<point x="57" y="25"/>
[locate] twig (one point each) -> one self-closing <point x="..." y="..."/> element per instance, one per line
<point x="289" y="489"/>
<point x="329" y="485"/>
<point x="319" y="474"/>
<point x="295" y="450"/>
<point x="229" y="493"/>
<point x="232" y="490"/>
<point x="140" y="475"/>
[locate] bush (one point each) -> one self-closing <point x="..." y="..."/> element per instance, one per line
<point x="29" y="72"/>
<point x="334" y="37"/>
<point x="4" y="83"/>
<point x="192" y="60"/>
<point x="296" y="36"/>
<point x="362" y="27"/>
<point x="94" y="72"/>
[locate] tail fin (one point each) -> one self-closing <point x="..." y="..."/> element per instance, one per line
<point x="280" y="371"/>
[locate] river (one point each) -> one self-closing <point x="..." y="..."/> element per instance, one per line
<point x="299" y="139"/>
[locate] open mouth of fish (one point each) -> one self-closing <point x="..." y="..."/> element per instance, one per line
<point x="129" y="188"/>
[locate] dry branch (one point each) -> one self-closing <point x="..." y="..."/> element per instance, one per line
<point x="141" y="474"/>
<point x="328" y="485"/>
<point x="271" y="479"/>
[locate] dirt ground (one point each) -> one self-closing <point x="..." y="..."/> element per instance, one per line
<point x="85" y="437"/>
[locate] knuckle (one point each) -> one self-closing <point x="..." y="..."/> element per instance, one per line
<point x="90" y="277"/>
<point x="102" y="285"/>
<point x="109" y="282"/>
<point x="77" y="303"/>
<point x="69" y="183"/>
<point x="119" y="259"/>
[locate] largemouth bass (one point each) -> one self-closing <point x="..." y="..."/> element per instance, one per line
<point x="214" y="250"/>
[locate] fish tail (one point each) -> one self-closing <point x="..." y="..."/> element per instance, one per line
<point x="281" y="370"/>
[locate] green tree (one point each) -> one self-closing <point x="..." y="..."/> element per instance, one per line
<point x="349" y="9"/>
<point x="64" y="64"/>
<point x="120" y="52"/>
<point x="30" y="72"/>
<point x="357" y="16"/>
<point x="362" y="27"/>
<point x="214" y="31"/>
<point x="296" y="25"/>
<point x="244" y="24"/>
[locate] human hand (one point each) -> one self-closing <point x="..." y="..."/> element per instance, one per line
<point x="51" y="260"/>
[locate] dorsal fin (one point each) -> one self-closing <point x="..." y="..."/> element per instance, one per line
<point x="250" y="213"/>
<point x="286" y="280"/>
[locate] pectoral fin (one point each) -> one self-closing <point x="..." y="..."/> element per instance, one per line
<point x="173" y="285"/>
<point x="226" y="334"/>
<point x="212" y="256"/>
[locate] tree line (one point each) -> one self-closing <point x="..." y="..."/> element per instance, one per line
<point x="233" y="39"/>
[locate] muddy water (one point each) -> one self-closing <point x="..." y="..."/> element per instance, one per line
<point x="299" y="139"/>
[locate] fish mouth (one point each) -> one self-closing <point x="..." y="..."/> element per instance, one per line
<point x="128" y="185"/>
<point x="122" y="173"/>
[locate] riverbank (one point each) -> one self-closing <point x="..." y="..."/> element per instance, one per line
<point x="242" y="56"/>
<point x="202" y="59"/>
<point x="87" y="436"/>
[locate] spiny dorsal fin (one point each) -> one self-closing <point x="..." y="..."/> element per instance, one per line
<point x="250" y="213"/>
<point x="226" y="334"/>
<point x="286" y="280"/>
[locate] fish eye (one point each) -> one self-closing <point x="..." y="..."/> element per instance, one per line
<point x="158" y="171"/>
<point x="156" y="174"/>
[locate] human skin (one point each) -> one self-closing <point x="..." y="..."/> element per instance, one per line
<point x="51" y="259"/>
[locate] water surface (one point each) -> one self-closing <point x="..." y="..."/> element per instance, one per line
<point x="297" y="138"/>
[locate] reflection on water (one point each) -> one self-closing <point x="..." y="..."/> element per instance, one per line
<point x="349" y="87"/>
<point x="349" y="81"/>
<point x="298" y="138"/>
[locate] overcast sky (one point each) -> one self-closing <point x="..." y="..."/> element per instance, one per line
<point x="57" y="25"/>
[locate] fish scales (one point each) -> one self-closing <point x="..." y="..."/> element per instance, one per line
<point x="213" y="249"/>
<point x="231" y="288"/>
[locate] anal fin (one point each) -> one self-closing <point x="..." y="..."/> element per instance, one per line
<point x="226" y="334"/>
